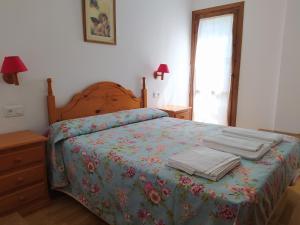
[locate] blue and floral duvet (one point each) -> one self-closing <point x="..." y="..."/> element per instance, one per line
<point x="115" y="165"/>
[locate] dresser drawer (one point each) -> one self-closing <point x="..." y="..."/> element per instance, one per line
<point x="17" y="180"/>
<point x="19" y="158"/>
<point x="183" y="115"/>
<point x="21" y="198"/>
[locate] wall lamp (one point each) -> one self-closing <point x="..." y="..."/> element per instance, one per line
<point x="162" y="69"/>
<point x="12" y="65"/>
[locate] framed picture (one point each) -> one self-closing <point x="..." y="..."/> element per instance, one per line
<point x="99" y="21"/>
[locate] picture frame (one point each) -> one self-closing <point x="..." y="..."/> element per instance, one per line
<point x="99" y="21"/>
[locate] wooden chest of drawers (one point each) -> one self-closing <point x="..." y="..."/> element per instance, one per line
<point x="179" y="112"/>
<point x="23" y="180"/>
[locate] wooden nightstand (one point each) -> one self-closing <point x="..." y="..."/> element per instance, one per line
<point x="179" y="112"/>
<point x="23" y="180"/>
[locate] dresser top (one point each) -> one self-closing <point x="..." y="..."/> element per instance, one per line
<point x="20" y="138"/>
<point x="174" y="108"/>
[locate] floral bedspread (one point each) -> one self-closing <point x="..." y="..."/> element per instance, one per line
<point x="115" y="165"/>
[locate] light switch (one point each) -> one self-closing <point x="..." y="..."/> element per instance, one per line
<point x="13" y="110"/>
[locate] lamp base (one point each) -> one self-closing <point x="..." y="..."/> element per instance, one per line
<point x="157" y="74"/>
<point x="11" y="78"/>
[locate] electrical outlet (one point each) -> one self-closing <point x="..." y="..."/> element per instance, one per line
<point x="156" y="94"/>
<point x="13" y="110"/>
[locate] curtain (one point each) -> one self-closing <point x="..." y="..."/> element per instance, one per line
<point x="213" y="69"/>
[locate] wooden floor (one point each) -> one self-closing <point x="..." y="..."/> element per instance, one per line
<point x="13" y="219"/>
<point x="63" y="211"/>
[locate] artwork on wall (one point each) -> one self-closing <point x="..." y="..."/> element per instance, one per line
<point x="99" y="21"/>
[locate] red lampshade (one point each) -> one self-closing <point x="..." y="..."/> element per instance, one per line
<point x="163" y="68"/>
<point x="13" y="64"/>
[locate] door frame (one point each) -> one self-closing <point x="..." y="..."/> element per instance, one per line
<point x="237" y="9"/>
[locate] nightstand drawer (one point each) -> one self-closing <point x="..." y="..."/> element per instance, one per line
<point x="22" y="157"/>
<point x="17" y="180"/>
<point x="21" y="198"/>
<point x="23" y="178"/>
<point x="183" y="115"/>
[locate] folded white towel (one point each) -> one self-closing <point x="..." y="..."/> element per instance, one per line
<point x="245" y="154"/>
<point x="204" y="162"/>
<point x="259" y="135"/>
<point x="234" y="147"/>
<point x="220" y="172"/>
<point x="234" y="142"/>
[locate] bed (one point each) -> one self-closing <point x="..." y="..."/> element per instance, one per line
<point x="109" y="152"/>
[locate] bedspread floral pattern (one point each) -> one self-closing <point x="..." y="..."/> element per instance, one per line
<point x="76" y="127"/>
<point x="115" y="166"/>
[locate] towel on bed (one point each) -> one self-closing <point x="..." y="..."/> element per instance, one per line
<point x="249" y="149"/>
<point x="204" y="162"/>
<point x="236" y="142"/>
<point x="253" y="135"/>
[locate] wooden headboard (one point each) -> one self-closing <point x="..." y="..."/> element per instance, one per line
<point x="99" y="98"/>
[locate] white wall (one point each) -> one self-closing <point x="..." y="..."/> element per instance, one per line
<point x="261" y="56"/>
<point x="48" y="36"/>
<point x="288" y="105"/>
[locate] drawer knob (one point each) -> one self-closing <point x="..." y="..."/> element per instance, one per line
<point x="21" y="198"/>
<point x="20" y="179"/>
<point x="18" y="160"/>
